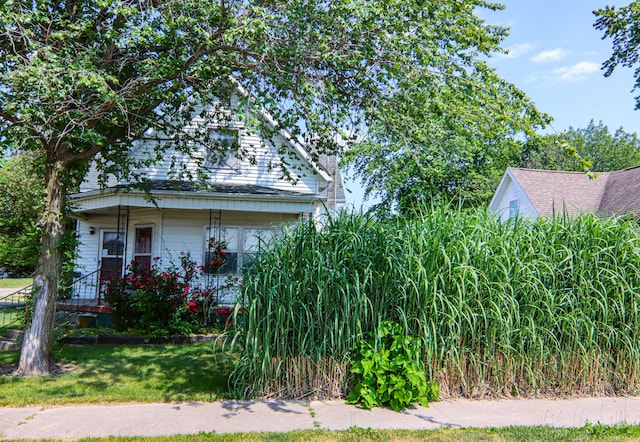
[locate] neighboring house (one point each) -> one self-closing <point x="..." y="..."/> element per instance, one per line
<point x="240" y="202"/>
<point x="533" y="193"/>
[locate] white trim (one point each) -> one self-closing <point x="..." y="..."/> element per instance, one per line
<point x="502" y="188"/>
<point x="153" y="245"/>
<point x="522" y="192"/>
<point x="95" y="200"/>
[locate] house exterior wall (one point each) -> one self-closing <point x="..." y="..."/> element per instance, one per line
<point x="507" y="192"/>
<point x="263" y="169"/>
<point x="246" y="197"/>
<point x="174" y="231"/>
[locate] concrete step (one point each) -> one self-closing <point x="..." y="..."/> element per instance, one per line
<point x="8" y="344"/>
<point x="12" y="340"/>
<point x="14" y="334"/>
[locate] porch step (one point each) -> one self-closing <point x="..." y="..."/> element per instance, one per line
<point x="14" y="334"/>
<point x="12" y="340"/>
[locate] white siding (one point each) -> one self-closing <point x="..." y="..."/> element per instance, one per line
<point x="174" y="231"/>
<point x="261" y="166"/>
<point x="509" y="191"/>
<point x="90" y="181"/>
<point x="89" y="244"/>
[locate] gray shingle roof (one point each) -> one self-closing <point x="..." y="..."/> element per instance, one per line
<point x="237" y="189"/>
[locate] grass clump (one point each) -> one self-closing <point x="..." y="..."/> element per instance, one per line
<point x="550" y="307"/>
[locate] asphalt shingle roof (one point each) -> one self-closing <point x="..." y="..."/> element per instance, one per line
<point x="237" y="189"/>
<point x="553" y="191"/>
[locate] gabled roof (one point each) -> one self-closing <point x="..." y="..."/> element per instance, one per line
<point x="298" y="146"/>
<point x="572" y="193"/>
<point x="622" y="194"/>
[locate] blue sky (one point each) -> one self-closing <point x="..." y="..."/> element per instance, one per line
<point x="555" y="58"/>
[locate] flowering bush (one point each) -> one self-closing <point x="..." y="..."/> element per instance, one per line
<point x="161" y="301"/>
<point x="216" y="257"/>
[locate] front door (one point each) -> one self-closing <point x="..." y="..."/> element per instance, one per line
<point x="111" y="254"/>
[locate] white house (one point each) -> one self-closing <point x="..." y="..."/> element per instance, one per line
<point x="532" y="193"/>
<point x="240" y="201"/>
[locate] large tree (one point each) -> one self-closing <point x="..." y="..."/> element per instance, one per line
<point x="82" y="80"/>
<point x="594" y="145"/>
<point x="622" y="25"/>
<point x="444" y="141"/>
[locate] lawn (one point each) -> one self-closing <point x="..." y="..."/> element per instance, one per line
<point x="198" y="372"/>
<point x="110" y="373"/>
<point x="10" y="318"/>
<point x="587" y="433"/>
<point x="15" y="283"/>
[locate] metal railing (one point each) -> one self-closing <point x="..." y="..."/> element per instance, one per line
<point x="80" y="292"/>
<point x="13" y="307"/>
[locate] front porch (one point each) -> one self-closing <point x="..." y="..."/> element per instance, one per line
<point x="113" y="236"/>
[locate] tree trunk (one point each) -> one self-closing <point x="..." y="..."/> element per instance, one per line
<point x="35" y="357"/>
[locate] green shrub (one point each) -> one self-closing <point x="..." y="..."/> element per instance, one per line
<point x="388" y="371"/>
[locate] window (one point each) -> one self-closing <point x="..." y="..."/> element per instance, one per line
<point x="252" y="242"/>
<point x="514" y="207"/>
<point x="112" y="244"/>
<point x="221" y="149"/>
<point x="143" y="249"/>
<point x="228" y="235"/>
<point x="241" y="246"/>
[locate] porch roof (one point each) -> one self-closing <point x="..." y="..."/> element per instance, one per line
<point x="164" y="194"/>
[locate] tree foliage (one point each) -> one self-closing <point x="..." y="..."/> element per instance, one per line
<point x="622" y="25"/>
<point x="81" y="80"/>
<point x="21" y="201"/>
<point x="434" y="138"/>
<point x="602" y="150"/>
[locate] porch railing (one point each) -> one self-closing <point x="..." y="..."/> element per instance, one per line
<point x="81" y="292"/>
<point x="13" y="307"/>
<point x="84" y="290"/>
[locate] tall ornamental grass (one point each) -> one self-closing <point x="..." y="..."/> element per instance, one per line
<point x="520" y="308"/>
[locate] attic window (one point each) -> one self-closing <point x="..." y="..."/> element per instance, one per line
<point x="221" y="149"/>
<point x="514" y="208"/>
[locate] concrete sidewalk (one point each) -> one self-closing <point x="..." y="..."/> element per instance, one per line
<point x="71" y="422"/>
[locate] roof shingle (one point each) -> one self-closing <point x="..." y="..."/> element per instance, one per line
<point x="573" y="193"/>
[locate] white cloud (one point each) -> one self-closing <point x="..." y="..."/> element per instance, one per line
<point x="556" y="54"/>
<point x="517" y="50"/>
<point x="576" y="72"/>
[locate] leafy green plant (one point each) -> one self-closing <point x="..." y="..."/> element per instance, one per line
<point x="388" y="371"/>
